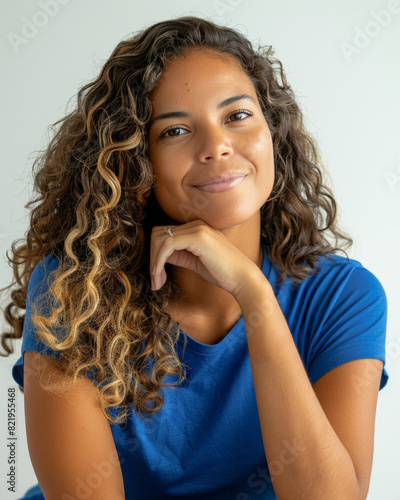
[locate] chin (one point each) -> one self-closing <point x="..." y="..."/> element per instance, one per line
<point x="228" y="220"/>
<point x="220" y="214"/>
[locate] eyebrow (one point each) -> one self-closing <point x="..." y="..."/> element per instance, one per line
<point x="184" y="114"/>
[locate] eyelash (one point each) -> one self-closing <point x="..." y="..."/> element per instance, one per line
<point x="163" y="134"/>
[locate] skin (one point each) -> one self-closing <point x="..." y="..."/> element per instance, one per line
<point x="321" y="436"/>
<point x="209" y="142"/>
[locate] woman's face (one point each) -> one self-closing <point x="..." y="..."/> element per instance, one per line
<point x="209" y="143"/>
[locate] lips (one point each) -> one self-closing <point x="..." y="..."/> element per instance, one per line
<point x="219" y="183"/>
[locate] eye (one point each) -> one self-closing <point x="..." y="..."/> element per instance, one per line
<point x="166" y="132"/>
<point x="241" y="112"/>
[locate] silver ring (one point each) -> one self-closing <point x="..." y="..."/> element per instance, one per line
<point x="169" y="231"/>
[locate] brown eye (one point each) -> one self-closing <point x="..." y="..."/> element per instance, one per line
<point x="166" y="132"/>
<point x="241" y="112"/>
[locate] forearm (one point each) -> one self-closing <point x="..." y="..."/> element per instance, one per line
<point x="304" y="454"/>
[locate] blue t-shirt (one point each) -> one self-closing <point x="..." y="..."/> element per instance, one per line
<point x="206" y="442"/>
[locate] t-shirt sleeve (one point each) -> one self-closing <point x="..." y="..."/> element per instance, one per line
<point x="39" y="282"/>
<point x="354" y="325"/>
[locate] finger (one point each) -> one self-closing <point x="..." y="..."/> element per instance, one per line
<point x="158" y="236"/>
<point x="177" y="250"/>
<point x="159" y="280"/>
<point x="163" y="248"/>
<point x="184" y="251"/>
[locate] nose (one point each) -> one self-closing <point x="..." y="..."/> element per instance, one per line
<point x="214" y="144"/>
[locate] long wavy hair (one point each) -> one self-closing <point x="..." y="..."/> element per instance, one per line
<point x="94" y="211"/>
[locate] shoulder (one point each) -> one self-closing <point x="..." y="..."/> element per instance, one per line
<point x="334" y="263"/>
<point x="333" y="274"/>
<point x="45" y="266"/>
<point x="41" y="275"/>
<point x="342" y="285"/>
<point x="348" y="312"/>
<point x="336" y="278"/>
<point x="346" y="276"/>
<point x="342" y="300"/>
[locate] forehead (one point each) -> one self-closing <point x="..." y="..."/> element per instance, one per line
<point x="199" y="55"/>
<point x="203" y="66"/>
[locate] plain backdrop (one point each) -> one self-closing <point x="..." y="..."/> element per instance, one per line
<point x="342" y="59"/>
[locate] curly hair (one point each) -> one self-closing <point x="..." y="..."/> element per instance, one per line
<point x="94" y="213"/>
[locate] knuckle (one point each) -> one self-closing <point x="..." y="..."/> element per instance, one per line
<point x="204" y="233"/>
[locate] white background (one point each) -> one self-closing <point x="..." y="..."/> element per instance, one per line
<point x="349" y="95"/>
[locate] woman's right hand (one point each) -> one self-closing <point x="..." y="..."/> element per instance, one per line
<point x="205" y="250"/>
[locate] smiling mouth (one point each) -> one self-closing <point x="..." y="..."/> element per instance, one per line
<point x="222" y="184"/>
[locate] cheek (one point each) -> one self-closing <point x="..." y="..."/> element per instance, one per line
<point x="166" y="174"/>
<point x="166" y="188"/>
<point x="169" y="171"/>
<point x="162" y="186"/>
<point x="259" y="143"/>
<point x="261" y="154"/>
<point x="264" y="142"/>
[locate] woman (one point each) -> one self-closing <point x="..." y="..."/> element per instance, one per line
<point x="199" y="337"/>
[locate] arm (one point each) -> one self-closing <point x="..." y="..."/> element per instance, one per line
<point x="318" y="440"/>
<point x="69" y="439"/>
